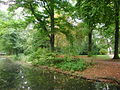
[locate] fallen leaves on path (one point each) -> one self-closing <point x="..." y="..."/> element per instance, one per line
<point x="103" y="69"/>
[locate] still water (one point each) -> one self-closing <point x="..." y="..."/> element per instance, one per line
<point x="16" y="77"/>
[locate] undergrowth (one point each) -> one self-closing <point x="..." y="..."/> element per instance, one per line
<point x="43" y="57"/>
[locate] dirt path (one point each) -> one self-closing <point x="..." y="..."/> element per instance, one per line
<point x="108" y="70"/>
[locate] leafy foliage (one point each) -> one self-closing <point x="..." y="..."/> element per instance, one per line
<point x="11" y="35"/>
<point x="103" y="52"/>
<point x="44" y="57"/>
<point x="73" y="65"/>
<point x="53" y="25"/>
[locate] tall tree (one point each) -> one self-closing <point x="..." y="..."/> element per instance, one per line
<point x="42" y="13"/>
<point x="105" y="12"/>
<point x="87" y="12"/>
<point x="52" y="36"/>
<point x="49" y="7"/>
<point x="116" y="46"/>
<point x="109" y="10"/>
<point x="10" y="33"/>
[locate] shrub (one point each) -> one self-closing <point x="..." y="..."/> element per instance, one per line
<point x="43" y="57"/>
<point x="73" y="65"/>
<point x="103" y="51"/>
<point x="84" y="49"/>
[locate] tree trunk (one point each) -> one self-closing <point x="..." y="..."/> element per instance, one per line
<point x="116" y="46"/>
<point x="90" y="43"/>
<point x="52" y="36"/>
<point x="52" y="39"/>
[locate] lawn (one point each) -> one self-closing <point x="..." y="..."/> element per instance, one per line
<point x="101" y="57"/>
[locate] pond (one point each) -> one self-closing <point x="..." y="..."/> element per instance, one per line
<point x="16" y="77"/>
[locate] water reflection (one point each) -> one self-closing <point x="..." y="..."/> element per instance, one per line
<point x="16" y="77"/>
<point x="8" y="74"/>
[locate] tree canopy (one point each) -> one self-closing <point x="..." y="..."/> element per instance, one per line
<point x="77" y="26"/>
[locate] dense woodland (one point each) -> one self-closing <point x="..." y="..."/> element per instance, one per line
<point x="42" y="29"/>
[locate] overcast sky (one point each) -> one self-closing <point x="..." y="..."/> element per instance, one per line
<point x="3" y="7"/>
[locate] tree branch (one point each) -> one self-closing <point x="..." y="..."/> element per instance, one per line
<point x="48" y="6"/>
<point x="47" y="9"/>
<point x="39" y="19"/>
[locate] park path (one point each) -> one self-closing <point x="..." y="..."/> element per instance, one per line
<point x="103" y="69"/>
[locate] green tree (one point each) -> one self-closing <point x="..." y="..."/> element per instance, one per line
<point x="87" y="12"/>
<point x="10" y="33"/>
<point x="105" y="12"/>
<point x="43" y="14"/>
<point x="117" y="10"/>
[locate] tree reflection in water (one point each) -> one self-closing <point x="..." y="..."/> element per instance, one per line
<point x="9" y="74"/>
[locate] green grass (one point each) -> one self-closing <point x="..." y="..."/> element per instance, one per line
<point x="98" y="56"/>
<point x="101" y="57"/>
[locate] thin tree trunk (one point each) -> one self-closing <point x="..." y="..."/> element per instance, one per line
<point x="52" y="39"/>
<point x="116" y="46"/>
<point x="52" y="36"/>
<point x="90" y="43"/>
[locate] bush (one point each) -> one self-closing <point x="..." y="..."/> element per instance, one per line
<point x="103" y="51"/>
<point x="44" y="57"/>
<point x="84" y="50"/>
<point x="73" y="65"/>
